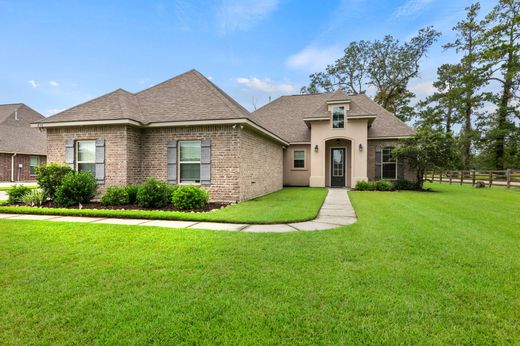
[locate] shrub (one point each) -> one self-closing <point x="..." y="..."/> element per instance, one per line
<point x="49" y="177"/>
<point x="131" y="190"/>
<point x="383" y="185"/>
<point x="189" y="197"/>
<point x="16" y="193"/>
<point x="35" y="197"/>
<point x="75" y="188"/>
<point x="362" y="185"/>
<point x="404" y="185"/>
<point x="153" y="193"/>
<point x="115" y="196"/>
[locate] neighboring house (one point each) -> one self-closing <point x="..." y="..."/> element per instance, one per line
<point x="188" y="131"/>
<point x="22" y="148"/>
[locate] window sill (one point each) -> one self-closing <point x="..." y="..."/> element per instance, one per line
<point x="299" y="169"/>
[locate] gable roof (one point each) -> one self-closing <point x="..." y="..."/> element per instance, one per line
<point x="285" y="115"/>
<point x="188" y="96"/>
<point x="16" y="134"/>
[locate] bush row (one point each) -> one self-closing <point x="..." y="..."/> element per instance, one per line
<point x="383" y="185"/>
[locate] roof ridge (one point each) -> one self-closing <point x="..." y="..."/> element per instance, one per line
<point x="164" y="82"/>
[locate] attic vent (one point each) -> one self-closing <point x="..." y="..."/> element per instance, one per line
<point x="16" y="114"/>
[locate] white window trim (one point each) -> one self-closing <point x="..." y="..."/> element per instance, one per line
<point x="37" y="164"/>
<point x="332" y="118"/>
<point x="76" y="154"/>
<point x="388" y="162"/>
<point x="304" y="168"/>
<point x="180" y="182"/>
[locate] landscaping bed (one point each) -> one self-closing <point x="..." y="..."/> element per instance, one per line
<point x="99" y="206"/>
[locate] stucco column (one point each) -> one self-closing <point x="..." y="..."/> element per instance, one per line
<point x="317" y="178"/>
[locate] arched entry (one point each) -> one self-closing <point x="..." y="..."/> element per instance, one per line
<point x="338" y="162"/>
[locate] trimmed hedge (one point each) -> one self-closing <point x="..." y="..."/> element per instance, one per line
<point x="153" y="193"/>
<point x="189" y="197"/>
<point x="75" y="188"/>
<point x="115" y="195"/>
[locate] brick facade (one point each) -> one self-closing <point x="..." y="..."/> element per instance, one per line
<point x="20" y="174"/>
<point x="243" y="164"/>
<point x="409" y="174"/>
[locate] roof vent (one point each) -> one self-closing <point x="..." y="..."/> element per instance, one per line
<point x="16" y="114"/>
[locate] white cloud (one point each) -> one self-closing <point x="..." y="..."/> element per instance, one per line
<point x="267" y="85"/>
<point x="411" y="7"/>
<point x="314" y="59"/>
<point x="33" y="83"/>
<point x="54" y="83"/>
<point x="54" y="111"/>
<point x="241" y="15"/>
<point x="423" y="89"/>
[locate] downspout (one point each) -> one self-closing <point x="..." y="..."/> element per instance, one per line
<point x="12" y="167"/>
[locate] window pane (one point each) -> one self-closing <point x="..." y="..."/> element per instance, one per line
<point x="87" y="151"/>
<point x="33" y="162"/>
<point x="190" y="151"/>
<point x="389" y="170"/>
<point x="387" y="155"/>
<point x="299" y="164"/>
<point x="337" y="163"/>
<point x="299" y="155"/>
<point x="87" y="167"/>
<point x="190" y="171"/>
<point x="338" y="117"/>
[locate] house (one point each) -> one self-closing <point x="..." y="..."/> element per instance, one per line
<point x="22" y="148"/>
<point x="188" y="131"/>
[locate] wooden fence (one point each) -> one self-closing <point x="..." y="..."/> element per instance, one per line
<point x="508" y="177"/>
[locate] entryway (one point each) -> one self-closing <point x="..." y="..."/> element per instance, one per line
<point x="337" y="167"/>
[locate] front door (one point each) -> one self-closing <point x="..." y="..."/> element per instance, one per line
<point x="337" y="169"/>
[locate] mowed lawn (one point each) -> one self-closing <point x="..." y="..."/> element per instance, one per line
<point x="418" y="268"/>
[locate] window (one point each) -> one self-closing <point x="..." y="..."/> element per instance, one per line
<point x="189" y="161"/>
<point x="299" y="159"/>
<point x="34" y="161"/>
<point x="388" y="164"/>
<point x="86" y="156"/>
<point x="338" y="117"/>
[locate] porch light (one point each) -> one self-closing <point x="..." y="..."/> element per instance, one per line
<point x="316" y="148"/>
<point x="360" y="147"/>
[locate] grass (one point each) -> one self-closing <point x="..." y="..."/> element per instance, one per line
<point x="8" y="188"/>
<point x="287" y="205"/>
<point x="417" y="268"/>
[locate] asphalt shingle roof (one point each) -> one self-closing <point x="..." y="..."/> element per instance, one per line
<point x="17" y="136"/>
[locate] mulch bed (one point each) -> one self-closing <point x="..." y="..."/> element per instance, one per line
<point x="169" y="207"/>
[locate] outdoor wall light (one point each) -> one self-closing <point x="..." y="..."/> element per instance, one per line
<point x="316" y="148"/>
<point x="360" y="147"/>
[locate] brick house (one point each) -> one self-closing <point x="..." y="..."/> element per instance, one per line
<point x="188" y="131"/>
<point x="22" y="148"/>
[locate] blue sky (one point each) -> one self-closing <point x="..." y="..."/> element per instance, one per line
<point x="56" y="54"/>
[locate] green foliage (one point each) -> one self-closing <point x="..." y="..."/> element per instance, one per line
<point x="402" y="184"/>
<point x="362" y="185"/>
<point x="380" y="185"/>
<point x="75" y="188"/>
<point x="153" y="193"/>
<point x="189" y="197"/>
<point x="115" y="195"/>
<point x="16" y="193"/>
<point x="383" y="185"/>
<point x="427" y="150"/>
<point x="132" y="190"/>
<point x="49" y="177"/>
<point x="34" y="197"/>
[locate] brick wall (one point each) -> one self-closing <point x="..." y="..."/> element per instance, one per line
<point x="261" y="165"/>
<point x="225" y="174"/>
<point x="409" y="174"/>
<point x="24" y="174"/>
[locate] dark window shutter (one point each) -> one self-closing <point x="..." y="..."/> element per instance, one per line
<point x="69" y="152"/>
<point x="100" y="161"/>
<point x="400" y="168"/>
<point x="205" y="162"/>
<point x="172" y="161"/>
<point x="377" y="174"/>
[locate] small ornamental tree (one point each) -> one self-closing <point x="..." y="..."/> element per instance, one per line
<point x="50" y="176"/>
<point x="428" y="149"/>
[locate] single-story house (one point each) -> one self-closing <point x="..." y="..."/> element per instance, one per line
<point x="22" y="147"/>
<point x="186" y="130"/>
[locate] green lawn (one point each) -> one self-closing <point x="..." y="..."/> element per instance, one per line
<point x="417" y="268"/>
<point x="287" y="205"/>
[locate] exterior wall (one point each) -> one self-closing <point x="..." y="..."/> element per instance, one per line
<point x="225" y="161"/>
<point x="296" y="176"/>
<point x="409" y="174"/>
<point x="134" y="152"/>
<point x="356" y="132"/>
<point x="22" y="174"/>
<point x="339" y="143"/>
<point x="118" y="159"/>
<point x="261" y="165"/>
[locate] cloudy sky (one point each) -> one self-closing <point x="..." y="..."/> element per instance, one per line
<point x="56" y="54"/>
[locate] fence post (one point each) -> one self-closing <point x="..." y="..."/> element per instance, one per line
<point x="440" y="178"/>
<point x="508" y="177"/>
<point x="473" y="177"/>
<point x="461" y="177"/>
<point x="451" y="175"/>
<point x="490" y="178"/>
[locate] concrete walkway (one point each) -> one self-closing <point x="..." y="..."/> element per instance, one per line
<point x="336" y="211"/>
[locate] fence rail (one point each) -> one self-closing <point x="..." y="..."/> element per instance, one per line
<point x="508" y="177"/>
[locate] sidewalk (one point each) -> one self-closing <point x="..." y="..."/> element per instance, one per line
<point x="336" y="211"/>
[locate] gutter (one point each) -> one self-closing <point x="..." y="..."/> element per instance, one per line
<point x="12" y="167"/>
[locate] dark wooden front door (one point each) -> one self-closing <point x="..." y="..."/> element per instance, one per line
<point x="337" y="167"/>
